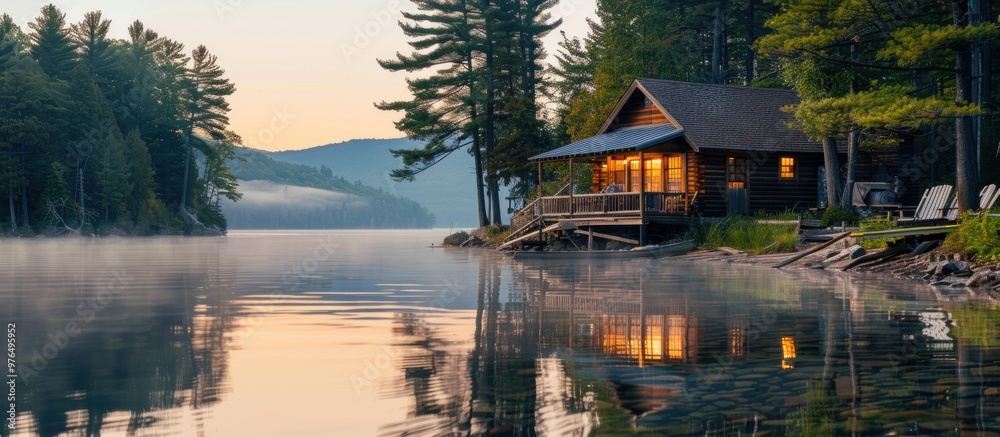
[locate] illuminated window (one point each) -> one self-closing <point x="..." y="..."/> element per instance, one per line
<point x="736" y="173"/>
<point x="633" y="174"/>
<point x="618" y="176"/>
<point x="676" y="334"/>
<point x="787" y="347"/>
<point x="786" y="167"/>
<point x="787" y="352"/>
<point x="675" y="174"/>
<point x="654" y="175"/>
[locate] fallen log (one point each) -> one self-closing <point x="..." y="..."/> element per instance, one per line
<point x="888" y="253"/>
<point x="806" y="253"/>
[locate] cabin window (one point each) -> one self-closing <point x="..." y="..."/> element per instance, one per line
<point x="736" y="172"/>
<point x="634" y="176"/>
<point x="618" y="173"/>
<point x="675" y="174"/>
<point x="676" y="334"/>
<point x="654" y="175"/>
<point x="786" y="167"/>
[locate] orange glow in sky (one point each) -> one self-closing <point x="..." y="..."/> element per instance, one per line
<point x="305" y="70"/>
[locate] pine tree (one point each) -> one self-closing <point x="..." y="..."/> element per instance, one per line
<point x="205" y="109"/>
<point x="51" y="44"/>
<point x="444" y="111"/>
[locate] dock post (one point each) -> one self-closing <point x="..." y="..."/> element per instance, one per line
<point x="642" y="234"/>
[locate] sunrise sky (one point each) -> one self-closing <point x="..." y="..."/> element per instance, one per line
<point x="305" y="70"/>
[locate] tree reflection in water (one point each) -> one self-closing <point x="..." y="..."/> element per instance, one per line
<point x="679" y="350"/>
<point x="156" y="344"/>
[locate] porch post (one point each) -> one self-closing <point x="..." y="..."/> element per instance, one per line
<point x="571" y="187"/>
<point x="642" y="199"/>
<point x="539" y="181"/>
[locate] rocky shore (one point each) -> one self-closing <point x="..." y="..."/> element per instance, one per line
<point x="926" y="263"/>
<point x="936" y="267"/>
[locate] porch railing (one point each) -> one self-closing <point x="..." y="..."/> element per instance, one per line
<point x="612" y="204"/>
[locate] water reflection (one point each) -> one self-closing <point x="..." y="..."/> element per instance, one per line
<point x="206" y="337"/>
<point x="116" y="349"/>
<point x="686" y="349"/>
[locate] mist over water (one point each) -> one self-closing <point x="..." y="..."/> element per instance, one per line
<point x="375" y="333"/>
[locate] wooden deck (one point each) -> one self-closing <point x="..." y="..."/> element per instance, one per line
<point x="612" y="205"/>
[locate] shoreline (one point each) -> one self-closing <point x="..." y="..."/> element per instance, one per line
<point x="935" y="267"/>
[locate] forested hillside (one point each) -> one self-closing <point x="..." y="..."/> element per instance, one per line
<point x="443" y="189"/>
<point x="103" y="136"/>
<point x="281" y="195"/>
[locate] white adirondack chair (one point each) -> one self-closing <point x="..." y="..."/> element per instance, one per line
<point x="987" y="197"/>
<point x="931" y="206"/>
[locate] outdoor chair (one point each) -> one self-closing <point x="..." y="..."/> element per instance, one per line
<point x="931" y="206"/>
<point x="987" y="197"/>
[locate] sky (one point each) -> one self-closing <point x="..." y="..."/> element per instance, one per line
<point x="305" y="70"/>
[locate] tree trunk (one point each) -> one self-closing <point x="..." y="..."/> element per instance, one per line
<point x="831" y="163"/>
<point x="490" y="121"/>
<point x="24" y="206"/>
<point x="966" y="174"/>
<point x="13" y="212"/>
<point x="852" y="163"/>
<point x="717" y="45"/>
<point x="187" y="172"/>
<point x="477" y="156"/>
<point x="749" y="8"/>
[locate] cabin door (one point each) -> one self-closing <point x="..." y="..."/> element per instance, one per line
<point x="736" y="185"/>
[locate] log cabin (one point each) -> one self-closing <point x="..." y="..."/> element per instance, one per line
<point x="673" y="150"/>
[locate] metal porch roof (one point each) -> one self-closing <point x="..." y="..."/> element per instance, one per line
<point x="622" y="140"/>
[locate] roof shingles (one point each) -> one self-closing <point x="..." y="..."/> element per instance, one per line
<point x="731" y="117"/>
<point x="621" y="140"/>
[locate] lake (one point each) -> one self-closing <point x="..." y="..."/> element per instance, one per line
<point x="361" y="333"/>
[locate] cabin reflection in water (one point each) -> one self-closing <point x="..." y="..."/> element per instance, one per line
<point x="689" y="352"/>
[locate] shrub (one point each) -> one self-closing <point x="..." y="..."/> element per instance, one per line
<point x="877" y="224"/>
<point x="834" y="216"/>
<point x="747" y="233"/>
<point x="978" y="235"/>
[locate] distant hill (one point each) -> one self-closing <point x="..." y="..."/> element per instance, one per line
<point x="282" y="195"/>
<point x="447" y="190"/>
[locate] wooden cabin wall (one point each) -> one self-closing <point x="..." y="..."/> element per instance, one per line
<point x="770" y="193"/>
<point x="765" y="190"/>
<point x="712" y="192"/>
<point x="636" y="113"/>
<point x="693" y="169"/>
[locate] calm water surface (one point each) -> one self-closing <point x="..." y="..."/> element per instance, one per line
<point x="373" y="333"/>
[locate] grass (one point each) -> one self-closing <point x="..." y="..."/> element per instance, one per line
<point x="978" y="235"/>
<point x="748" y="234"/>
<point x="877" y="224"/>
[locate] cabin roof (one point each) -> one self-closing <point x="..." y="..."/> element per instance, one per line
<point x="725" y="116"/>
<point x="626" y="139"/>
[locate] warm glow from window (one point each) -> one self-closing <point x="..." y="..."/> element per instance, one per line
<point x="675" y="174"/>
<point x="676" y="330"/>
<point x="654" y="175"/>
<point x="786" y="168"/>
<point x="787" y="347"/>
<point x="633" y="174"/>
